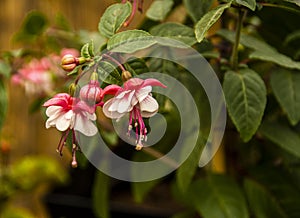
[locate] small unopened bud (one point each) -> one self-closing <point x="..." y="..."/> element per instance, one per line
<point x="126" y="75"/>
<point x="91" y="92"/>
<point x="72" y="89"/>
<point x="69" y="62"/>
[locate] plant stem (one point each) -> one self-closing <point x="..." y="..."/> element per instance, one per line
<point x="234" y="56"/>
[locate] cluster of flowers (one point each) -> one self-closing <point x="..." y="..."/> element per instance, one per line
<point x="77" y="113"/>
<point x="37" y="76"/>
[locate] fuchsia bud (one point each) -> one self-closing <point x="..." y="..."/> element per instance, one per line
<point x="92" y="92"/>
<point x="126" y="75"/>
<point x="69" y="62"/>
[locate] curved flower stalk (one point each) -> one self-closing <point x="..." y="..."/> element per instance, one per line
<point x="134" y="98"/>
<point x="68" y="114"/>
<point x="136" y="5"/>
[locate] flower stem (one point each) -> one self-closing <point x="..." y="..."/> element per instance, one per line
<point x="115" y="61"/>
<point x="234" y="55"/>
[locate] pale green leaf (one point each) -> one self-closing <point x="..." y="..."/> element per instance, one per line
<point x="286" y="87"/>
<point x="85" y="51"/>
<point x="261" y="201"/>
<point x="262" y="51"/>
<point x="159" y="9"/>
<point x="100" y="195"/>
<point x="275" y="57"/>
<point x="196" y="9"/>
<point x="245" y="95"/>
<point x="208" y="20"/>
<point x="283" y="136"/>
<point x="130" y="41"/>
<point x="251" y="4"/>
<point x="175" y="31"/>
<point x="113" y="18"/>
<point x="218" y="196"/>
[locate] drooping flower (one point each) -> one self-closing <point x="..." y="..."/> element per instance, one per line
<point x="134" y="98"/>
<point x="68" y="113"/>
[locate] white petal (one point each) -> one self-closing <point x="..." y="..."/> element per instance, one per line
<point x="125" y="103"/>
<point x="52" y="110"/>
<point x="122" y="94"/>
<point x="91" y="116"/>
<point x="108" y="113"/>
<point x="114" y="103"/>
<point x="149" y="104"/>
<point x="62" y="123"/>
<point x="85" y="126"/>
<point x="142" y="93"/>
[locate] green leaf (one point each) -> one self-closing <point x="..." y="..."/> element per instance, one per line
<point x="196" y="9"/>
<point x="297" y="2"/>
<point x="130" y="41"/>
<point x="245" y="95"/>
<point x="141" y="189"/>
<point x="100" y="195"/>
<point x="261" y="201"/>
<point x="85" y="51"/>
<point x="203" y="25"/>
<point x="3" y="103"/>
<point x="34" y="23"/>
<point x="251" y="4"/>
<point x="113" y="18"/>
<point x="283" y="186"/>
<point x="108" y="73"/>
<point x="275" y="57"/>
<point x="159" y="9"/>
<point x="262" y="51"/>
<point x="175" y="31"/>
<point x="5" y="69"/>
<point x="136" y="66"/>
<point x="286" y="87"/>
<point x="218" y="196"/>
<point x="187" y="170"/>
<point x="283" y="136"/>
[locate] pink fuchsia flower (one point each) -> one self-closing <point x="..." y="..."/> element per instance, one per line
<point x="35" y="77"/>
<point x="134" y="98"/>
<point x="67" y="114"/>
